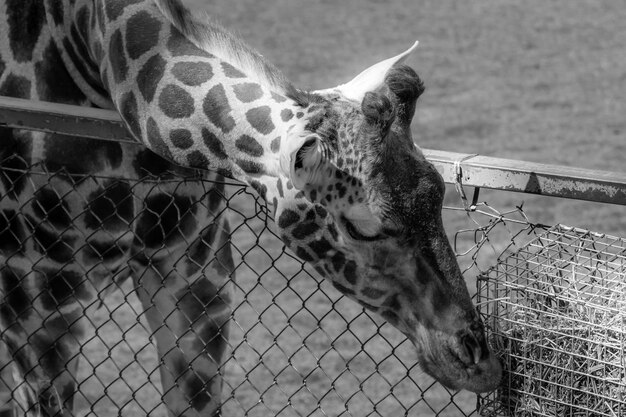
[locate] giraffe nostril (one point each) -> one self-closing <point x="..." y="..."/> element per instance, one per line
<point x="472" y="347"/>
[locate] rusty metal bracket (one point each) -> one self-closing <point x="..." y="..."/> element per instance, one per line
<point x="458" y="183"/>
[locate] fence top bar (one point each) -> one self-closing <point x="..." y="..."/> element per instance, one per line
<point x="476" y="170"/>
<point x="530" y="177"/>
<point x="63" y="118"/>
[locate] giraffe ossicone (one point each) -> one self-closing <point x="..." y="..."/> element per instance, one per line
<point x="351" y="193"/>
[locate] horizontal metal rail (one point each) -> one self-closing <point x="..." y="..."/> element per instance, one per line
<point x="530" y="177"/>
<point x="63" y="118"/>
<point x="456" y="168"/>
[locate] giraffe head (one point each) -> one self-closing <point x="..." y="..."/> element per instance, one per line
<point x="374" y="227"/>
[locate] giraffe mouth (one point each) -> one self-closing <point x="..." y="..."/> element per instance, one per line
<point x="460" y="363"/>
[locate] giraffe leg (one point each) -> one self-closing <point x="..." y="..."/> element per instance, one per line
<point x="187" y="303"/>
<point x="44" y="347"/>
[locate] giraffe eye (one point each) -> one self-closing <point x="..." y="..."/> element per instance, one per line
<point x="356" y="234"/>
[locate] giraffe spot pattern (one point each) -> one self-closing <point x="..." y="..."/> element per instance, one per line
<point x="55" y="82"/>
<point x="142" y="34"/>
<point x="53" y="355"/>
<point x="303" y="254"/>
<point x="278" y="98"/>
<point x="83" y="25"/>
<point x="157" y="144"/>
<point x="197" y="159"/>
<point x="248" y="92"/>
<point x="192" y="73"/>
<point x="217" y="109"/>
<point x="179" y="45"/>
<point x="165" y="220"/>
<point x="176" y="102"/>
<point x="149" y="163"/>
<point x="15" y="86"/>
<point x="62" y="287"/>
<point x="58" y="247"/>
<point x="107" y="252"/>
<point x="343" y="289"/>
<point x="321" y="211"/>
<point x="249" y="145"/>
<point x="250" y="167"/>
<point x="25" y="19"/>
<point x="12" y="233"/>
<point x="288" y="218"/>
<point x="214" y="144"/>
<point x="338" y="261"/>
<point x="150" y="75"/>
<point x="373" y="293"/>
<point x="116" y="8"/>
<point x="260" y="119"/>
<point x="320" y="247"/>
<point x="181" y="138"/>
<point x="200" y="299"/>
<point x="19" y="355"/>
<point x="279" y="188"/>
<point x="393" y="303"/>
<point x="56" y="10"/>
<point x="224" y="257"/>
<point x="110" y="207"/>
<point x="192" y="382"/>
<point x="129" y="112"/>
<point x="260" y="188"/>
<point x="69" y="390"/>
<point x="231" y="72"/>
<point x="349" y="272"/>
<point x="74" y="155"/>
<point x="275" y="145"/>
<point x="200" y="250"/>
<point x="66" y="323"/>
<point x="15" y="158"/>
<point x="215" y="196"/>
<point x="49" y="207"/>
<point x="117" y="57"/>
<point x="304" y="230"/>
<point x="80" y="56"/>
<point x="100" y="12"/>
<point x="212" y="339"/>
<point x="16" y="303"/>
<point x="286" y="115"/>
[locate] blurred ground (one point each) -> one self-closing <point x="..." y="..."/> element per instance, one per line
<point x="535" y="80"/>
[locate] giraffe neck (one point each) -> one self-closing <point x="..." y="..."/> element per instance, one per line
<point x="215" y="109"/>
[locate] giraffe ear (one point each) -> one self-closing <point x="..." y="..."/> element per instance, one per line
<point x="370" y="79"/>
<point x="305" y="161"/>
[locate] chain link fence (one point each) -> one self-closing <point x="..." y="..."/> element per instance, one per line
<point x="296" y="346"/>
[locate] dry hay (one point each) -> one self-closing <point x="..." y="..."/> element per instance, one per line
<point x="558" y="320"/>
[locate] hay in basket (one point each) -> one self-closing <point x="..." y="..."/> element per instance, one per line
<point x="556" y="314"/>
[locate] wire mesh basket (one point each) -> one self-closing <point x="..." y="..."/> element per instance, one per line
<point x="556" y="311"/>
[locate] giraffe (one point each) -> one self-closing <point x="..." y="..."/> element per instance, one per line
<point x="350" y="192"/>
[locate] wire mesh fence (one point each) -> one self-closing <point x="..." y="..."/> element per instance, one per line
<point x="556" y="313"/>
<point x="296" y="346"/>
